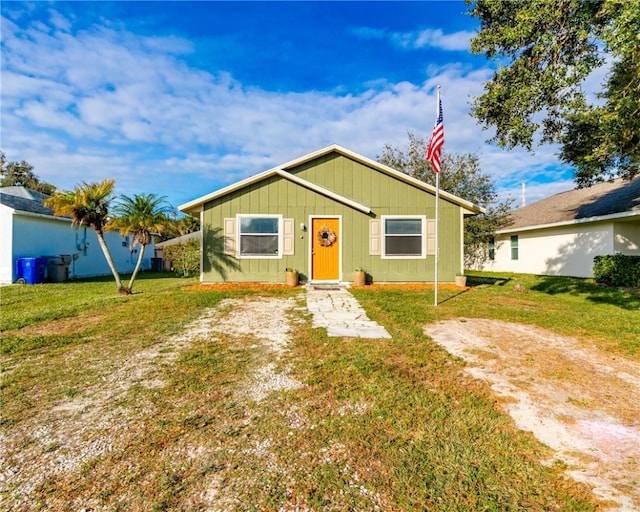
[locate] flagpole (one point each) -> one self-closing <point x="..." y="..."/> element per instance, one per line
<point x="433" y="155"/>
<point x="437" y="223"/>
<point x="435" y="281"/>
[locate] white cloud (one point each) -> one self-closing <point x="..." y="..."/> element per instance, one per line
<point x="430" y="38"/>
<point x="427" y="38"/>
<point x="106" y="103"/>
<point x="59" y="21"/>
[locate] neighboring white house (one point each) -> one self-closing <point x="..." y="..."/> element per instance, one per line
<point x="28" y="229"/>
<point x="560" y="235"/>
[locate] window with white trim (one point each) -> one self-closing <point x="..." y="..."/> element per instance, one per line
<point x="259" y="236"/>
<point x="514" y="247"/>
<point x="403" y="236"/>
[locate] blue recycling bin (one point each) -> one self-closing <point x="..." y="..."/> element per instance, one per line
<point x="31" y="270"/>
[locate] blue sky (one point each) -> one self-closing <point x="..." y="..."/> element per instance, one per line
<point x="183" y="98"/>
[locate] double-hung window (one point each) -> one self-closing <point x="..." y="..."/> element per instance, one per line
<point x="259" y="236"/>
<point x="492" y="249"/>
<point x="514" y="247"/>
<point x="403" y="236"/>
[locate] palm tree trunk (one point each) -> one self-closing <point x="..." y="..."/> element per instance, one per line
<point x="137" y="267"/>
<point x="108" y="257"/>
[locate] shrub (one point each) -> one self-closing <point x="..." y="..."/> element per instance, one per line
<point x="185" y="258"/>
<point x="617" y="270"/>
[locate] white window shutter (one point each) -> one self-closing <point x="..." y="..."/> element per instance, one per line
<point x="230" y="236"/>
<point x="288" y="237"/>
<point x="375" y="237"/>
<point x="431" y="237"/>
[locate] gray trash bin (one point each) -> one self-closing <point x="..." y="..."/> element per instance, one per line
<point x="58" y="268"/>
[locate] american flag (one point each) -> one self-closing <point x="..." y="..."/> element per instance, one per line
<point x="437" y="139"/>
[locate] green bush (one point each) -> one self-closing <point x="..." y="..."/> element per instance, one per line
<point x="617" y="270"/>
<point x="185" y="258"/>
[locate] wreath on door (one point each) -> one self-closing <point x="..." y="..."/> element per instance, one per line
<point x="327" y="236"/>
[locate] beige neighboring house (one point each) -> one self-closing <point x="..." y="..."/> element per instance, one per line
<point x="560" y="235"/>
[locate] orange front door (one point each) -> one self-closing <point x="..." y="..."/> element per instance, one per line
<point x="325" y="249"/>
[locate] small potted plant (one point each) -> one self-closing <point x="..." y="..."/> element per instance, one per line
<point x="291" y="276"/>
<point x="359" y="277"/>
<point x="461" y="280"/>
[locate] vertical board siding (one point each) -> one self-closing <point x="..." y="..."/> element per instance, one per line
<point x="384" y="194"/>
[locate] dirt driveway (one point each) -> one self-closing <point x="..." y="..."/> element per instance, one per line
<point x="580" y="401"/>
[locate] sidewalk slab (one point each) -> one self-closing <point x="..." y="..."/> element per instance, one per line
<point x="336" y="310"/>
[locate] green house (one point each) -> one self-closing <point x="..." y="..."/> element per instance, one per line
<point x="325" y="215"/>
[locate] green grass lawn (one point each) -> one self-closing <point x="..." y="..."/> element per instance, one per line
<point x="376" y="425"/>
<point x="567" y="305"/>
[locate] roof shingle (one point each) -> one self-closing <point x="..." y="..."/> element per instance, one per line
<point x="607" y="198"/>
<point x="24" y="200"/>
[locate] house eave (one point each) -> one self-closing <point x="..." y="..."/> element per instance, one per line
<point x="468" y="207"/>
<point x="587" y="220"/>
<point x="196" y="205"/>
<point x="324" y="191"/>
<point x="22" y="213"/>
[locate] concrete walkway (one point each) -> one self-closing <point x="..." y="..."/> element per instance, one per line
<point x="335" y="309"/>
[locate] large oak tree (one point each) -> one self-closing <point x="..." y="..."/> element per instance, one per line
<point x="20" y="174"/>
<point x="546" y="51"/>
<point x="461" y="175"/>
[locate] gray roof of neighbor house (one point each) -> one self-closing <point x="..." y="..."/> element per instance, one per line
<point x="179" y="239"/>
<point x="24" y="200"/>
<point x="615" y="198"/>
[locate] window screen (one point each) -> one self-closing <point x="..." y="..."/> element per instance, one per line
<point x="514" y="247"/>
<point x="403" y="237"/>
<point x="259" y="236"/>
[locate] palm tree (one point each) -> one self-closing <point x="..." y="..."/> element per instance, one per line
<point x="178" y="227"/>
<point x="88" y="205"/>
<point x="142" y="215"/>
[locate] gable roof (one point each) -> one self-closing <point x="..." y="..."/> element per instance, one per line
<point x="281" y="170"/>
<point x="609" y="200"/>
<point x="194" y="205"/>
<point x="25" y="200"/>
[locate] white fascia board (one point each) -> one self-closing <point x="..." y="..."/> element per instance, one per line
<point x="41" y="216"/>
<point x="468" y="207"/>
<point x="324" y="191"/>
<point x="587" y="220"/>
<point x="196" y="205"/>
<point x="192" y="206"/>
<point x="469" y="213"/>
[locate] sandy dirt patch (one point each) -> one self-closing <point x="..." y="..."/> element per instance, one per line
<point x="267" y="321"/>
<point x="75" y="431"/>
<point x="582" y="402"/>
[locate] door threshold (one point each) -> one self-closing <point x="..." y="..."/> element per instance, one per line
<point x="325" y="285"/>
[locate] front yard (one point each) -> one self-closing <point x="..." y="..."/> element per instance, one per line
<point x="226" y="399"/>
